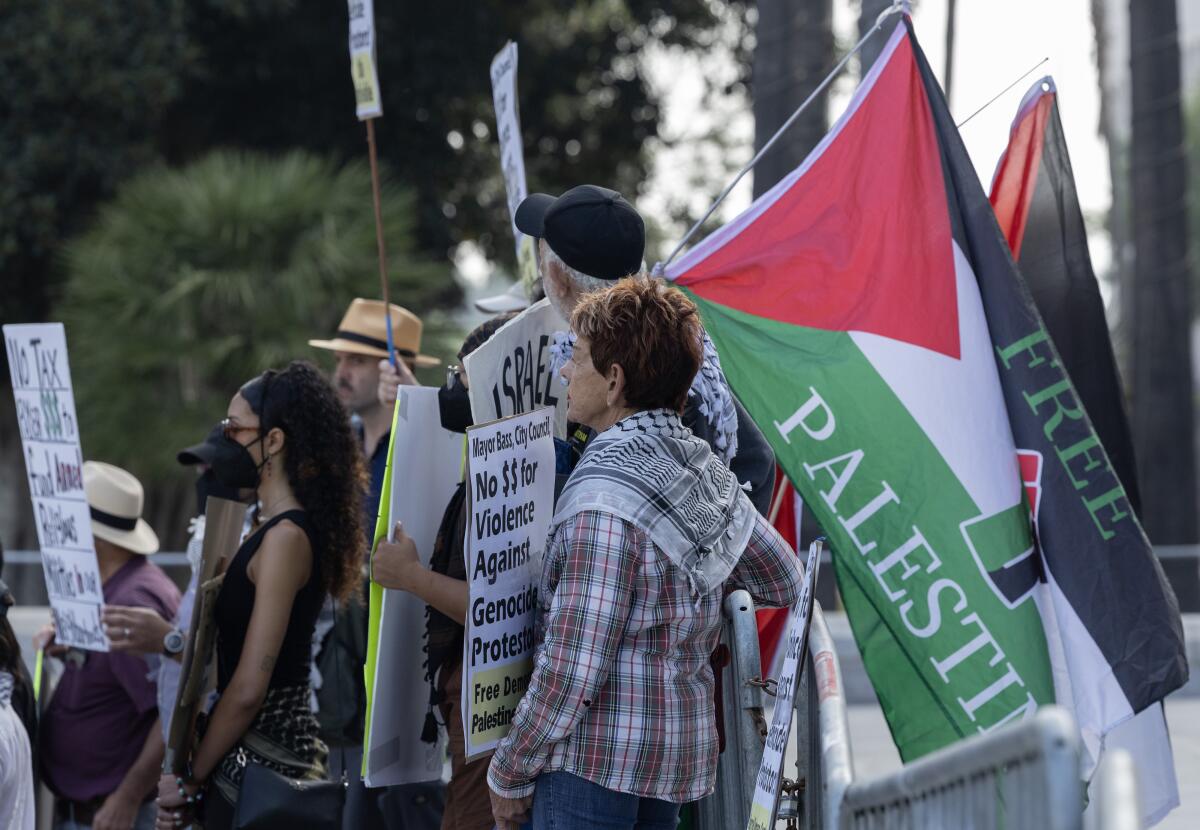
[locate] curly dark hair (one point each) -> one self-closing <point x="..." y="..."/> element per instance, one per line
<point x="323" y="463"/>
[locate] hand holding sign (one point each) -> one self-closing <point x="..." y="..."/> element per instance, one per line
<point x="391" y="377"/>
<point x="395" y="563"/>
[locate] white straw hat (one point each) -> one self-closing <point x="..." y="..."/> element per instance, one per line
<point x="115" y="498"/>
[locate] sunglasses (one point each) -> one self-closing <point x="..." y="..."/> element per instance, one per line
<point x="230" y="428"/>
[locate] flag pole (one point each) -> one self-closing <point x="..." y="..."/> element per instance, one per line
<point x="383" y="281"/>
<point x="996" y="97"/>
<point x="897" y="6"/>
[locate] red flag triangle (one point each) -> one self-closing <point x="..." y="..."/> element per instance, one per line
<point x="865" y="215"/>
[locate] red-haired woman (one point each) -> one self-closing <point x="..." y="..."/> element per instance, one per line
<point x="616" y="729"/>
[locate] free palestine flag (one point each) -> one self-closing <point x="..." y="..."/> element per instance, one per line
<point x="871" y="319"/>
<point x="1033" y="194"/>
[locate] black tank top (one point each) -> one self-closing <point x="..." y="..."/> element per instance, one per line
<point x="236" y="602"/>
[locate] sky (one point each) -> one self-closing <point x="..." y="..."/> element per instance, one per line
<point x="995" y="43"/>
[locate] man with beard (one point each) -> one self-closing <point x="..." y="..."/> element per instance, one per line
<point x="360" y="348"/>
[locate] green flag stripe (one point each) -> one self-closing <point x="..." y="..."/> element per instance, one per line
<point x="896" y="517"/>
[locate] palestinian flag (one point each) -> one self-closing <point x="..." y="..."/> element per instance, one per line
<point x="870" y="317"/>
<point x="1033" y="194"/>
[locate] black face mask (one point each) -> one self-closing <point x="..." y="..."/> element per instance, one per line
<point x="454" y="402"/>
<point x="233" y="466"/>
<point x="208" y="485"/>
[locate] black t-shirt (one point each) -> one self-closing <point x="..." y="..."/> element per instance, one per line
<point x="236" y="602"/>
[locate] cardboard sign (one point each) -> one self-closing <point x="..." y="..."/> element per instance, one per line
<point x="41" y="381"/>
<point x="508" y="129"/>
<point x="424" y="468"/>
<point x="511" y="373"/>
<point x="224" y="521"/>
<point x="367" y="102"/>
<point x="510" y="490"/>
<point x="765" y="803"/>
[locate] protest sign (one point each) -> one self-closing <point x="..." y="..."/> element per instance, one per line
<point x="514" y="371"/>
<point x="424" y="467"/>
<point x="41" y="381"/>
<point x="508" y="130"/>
<point x="765" y="802"/>
<point x="510" y="490"/>
<point x="367" y="103"/>
<point x="224" y="521"/>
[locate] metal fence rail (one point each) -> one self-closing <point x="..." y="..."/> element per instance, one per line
<point x="745" y="725"/>
<point x="823" y="759"/>
<point x="1024" y="775"/>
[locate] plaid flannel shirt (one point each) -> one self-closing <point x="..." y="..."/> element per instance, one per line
<point x="622" y="690"/>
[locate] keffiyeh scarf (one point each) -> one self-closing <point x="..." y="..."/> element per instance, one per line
<point x="709" y="386"/>
<point x="650" y="470"/>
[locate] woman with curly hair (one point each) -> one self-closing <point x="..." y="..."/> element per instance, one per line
<point x="288" y="437"/>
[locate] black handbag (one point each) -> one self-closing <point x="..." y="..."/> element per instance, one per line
<point x="269" y="800"/>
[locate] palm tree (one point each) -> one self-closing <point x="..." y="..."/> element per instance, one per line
<point x="193" y="280"/>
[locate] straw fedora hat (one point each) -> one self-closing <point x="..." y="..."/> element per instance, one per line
<point x="363" y="331"/>
<point x="115" y="499"/>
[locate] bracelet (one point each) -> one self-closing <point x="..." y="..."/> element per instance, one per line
<point x="190" y="798"/>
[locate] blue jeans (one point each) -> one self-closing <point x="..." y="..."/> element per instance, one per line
<point x="562" y="801"/>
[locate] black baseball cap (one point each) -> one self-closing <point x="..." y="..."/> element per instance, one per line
<point x="201" y="453"/>
<point x="592" y="229"/>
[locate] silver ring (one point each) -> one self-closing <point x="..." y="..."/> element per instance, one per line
<point x="127" y="632"/>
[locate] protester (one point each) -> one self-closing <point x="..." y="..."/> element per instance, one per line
<point x="588" y="238"/>
<point x="443" y="586"/>
<point x="289" y="439"/>
<point x="106" y="701"/>
<point x="23" y="701"/>
<point x="142" y="630"/>
<point x="616" y="728"/>
<point x="360" y="351"/>
<point x="16" y="754"/>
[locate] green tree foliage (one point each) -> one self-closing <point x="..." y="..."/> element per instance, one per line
<point x="90" y="92"/>
<point x="192" y="281"/>
<point x="276" y="74"/>
<point x="83" y="87"/>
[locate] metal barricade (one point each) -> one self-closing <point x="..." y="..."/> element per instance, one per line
<point x="745" y="725"/>
<point x="823" y="767"/>
<point x="1023" y="775"/>
<point x="1115" y="804"/>
<point x="824" y="764"/>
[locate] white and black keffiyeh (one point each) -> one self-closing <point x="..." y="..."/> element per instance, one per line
<point x="709" y="386"/>
<point x="650" y="470"/>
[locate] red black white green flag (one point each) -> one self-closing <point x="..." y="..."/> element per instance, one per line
<point x="870" y="317"/>
<point x="1037" y="208"/>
